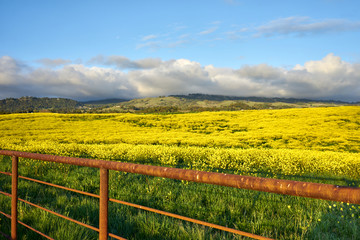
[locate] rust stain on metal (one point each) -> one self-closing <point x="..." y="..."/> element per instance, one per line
<point x="14" y="196"/>
<point x="104" y="201"/>
<point x="5" y="173"/>
<point x="6" y="194"/>
<point x="58" y="186"/>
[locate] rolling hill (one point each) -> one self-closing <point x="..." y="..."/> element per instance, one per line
<point x="163" y="104"/>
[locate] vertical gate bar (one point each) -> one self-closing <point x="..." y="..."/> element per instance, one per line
<point x="14" y="196"/>
<point x="104" y="202"/>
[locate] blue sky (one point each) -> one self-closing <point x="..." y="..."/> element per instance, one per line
<point x="104" y="49"/>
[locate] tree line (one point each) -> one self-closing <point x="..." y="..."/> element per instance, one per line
<point x="34" y="104"/>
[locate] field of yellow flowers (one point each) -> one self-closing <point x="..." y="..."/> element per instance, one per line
<point x="310" y="144"/>
<point x="309" y="141"/>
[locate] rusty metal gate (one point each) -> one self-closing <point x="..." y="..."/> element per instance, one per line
<point x="287" y="187"/>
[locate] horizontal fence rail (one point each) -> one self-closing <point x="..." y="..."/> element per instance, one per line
<point x="287" y="187"/>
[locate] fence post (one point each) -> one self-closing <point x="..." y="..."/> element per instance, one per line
<point x="14" y="196"/>
<point x="104" y="202"/>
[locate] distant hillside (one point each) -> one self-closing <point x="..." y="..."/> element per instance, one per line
<point x="170" y="104"/>
<point x="203" y="102"/>
<point x="33" y="104"/>
<point x="200" y="96"/>
<point x="105" y="101"/>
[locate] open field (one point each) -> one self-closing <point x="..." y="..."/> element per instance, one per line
<point x="293" y="141"/>
<point x="312" y="144"/>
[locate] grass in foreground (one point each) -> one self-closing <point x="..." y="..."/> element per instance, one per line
<point x="271" y="215"/>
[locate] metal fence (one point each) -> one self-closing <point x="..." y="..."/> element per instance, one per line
<point x="287" y="187"/>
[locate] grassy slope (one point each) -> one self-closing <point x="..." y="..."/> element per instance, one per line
<point x="186" y="105"/>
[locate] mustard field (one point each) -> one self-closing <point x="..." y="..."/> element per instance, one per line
<point x="308" y="141"/>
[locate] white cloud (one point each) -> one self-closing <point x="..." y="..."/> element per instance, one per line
<point x="328" y="78"/>
<point x="124" y="62"/>
<point x="212" y="29"/>
<point x="53" y="62"/>
<point x="208" y="31"/>
<point x="71" y="81"/>
<point x="149" y="37"/>
<point x="84" y="82"/>
<point x="304" y="26"/>
<point x="172" y="77"/>
<point x="328" y="65"/>
<point x="178" y="36"/>
<point x="152" y="45"/>
<point x="293" y="26"/>
<point x="8" y="70"/>
<point x="172" y="43"/>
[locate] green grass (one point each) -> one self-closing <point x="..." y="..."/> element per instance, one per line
<point x="271" y="215"/>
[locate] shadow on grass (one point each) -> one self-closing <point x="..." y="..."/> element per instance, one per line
<point x="341" y="221"/>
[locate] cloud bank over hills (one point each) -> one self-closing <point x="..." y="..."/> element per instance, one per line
<point x="121" y="77"/>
